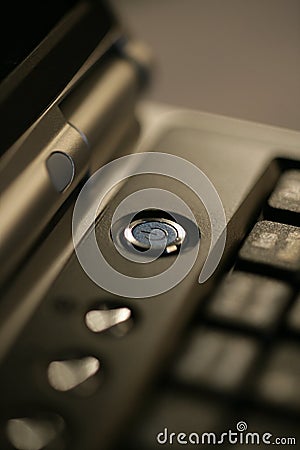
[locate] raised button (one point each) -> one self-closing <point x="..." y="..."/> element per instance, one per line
<point x="216" y="359"/>
<point x="284" y="202"/>
<point x="273" y="246"/>
<point x="280" y="381"/>
<point x="29" y="433"/>
<point x="61" y="170"/>
<point x="69" y="374"/>
<point x="116" y="320"/>
<point x="249" y="300"/>
<point x="159" y="233"/>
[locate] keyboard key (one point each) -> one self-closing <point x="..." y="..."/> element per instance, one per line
<point x="216" y="359"/>
<point x="174" y="412"/>
<point x="284" y="202"/>
<point x="249" y="300"/>
<point x="294" y="316"/>
<point x="280" y="381"/>
<point x="274" y="247"/>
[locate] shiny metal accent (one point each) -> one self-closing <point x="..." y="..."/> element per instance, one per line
<point x="66" y="375"/>
<point x="33" y="434"/>
<point x="155" y="233"/>
<point x="103" y="319"/>
<point x="106" y="98"/>
<point x="97" y="112"/>
<point x="26" y="190"/>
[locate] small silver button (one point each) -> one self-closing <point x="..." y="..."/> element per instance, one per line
<point x="66" y="375"/>
<point x="34" y="433"/>
<point x="98" y="320"/>
<point x="155" y="233"/>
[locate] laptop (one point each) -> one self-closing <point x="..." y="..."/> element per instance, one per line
<point x="150" y="255"/>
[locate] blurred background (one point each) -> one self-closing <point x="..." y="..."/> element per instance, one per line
<point x="239" y="58"/>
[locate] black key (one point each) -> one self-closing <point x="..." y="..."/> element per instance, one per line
<point x="273" y="247"/>
<point x="250" y="300"/>
<point x="294" y="316"/>
<point x="173" y="412"/>
<point x="280" y="381"/>
<point x="216" y="359"/>
<point x="284" y="202"/>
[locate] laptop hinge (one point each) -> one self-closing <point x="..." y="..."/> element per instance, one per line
<point x="73" y="138"/>
<point x="104" y="101"/>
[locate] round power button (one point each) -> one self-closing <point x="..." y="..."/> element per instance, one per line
<point x="155" y="233"/>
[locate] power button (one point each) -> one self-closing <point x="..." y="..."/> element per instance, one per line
<point x="155" y="233"/>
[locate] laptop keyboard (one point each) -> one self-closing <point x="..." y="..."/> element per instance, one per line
<point x="240" y="356"/>
<point x="274" y="247"/>
<point x="285" y="199"/>
<point x="237" y="361"/>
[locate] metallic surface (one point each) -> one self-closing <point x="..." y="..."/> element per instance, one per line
<point x="29" y="199"/>
<point x="66" y="375"/>
<point x="154" y="232"/>
<point x="102" y="103"/>
<point x="219" y="146"/>
<point x="104" y="319"/>
<point x="32" y="434"/>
